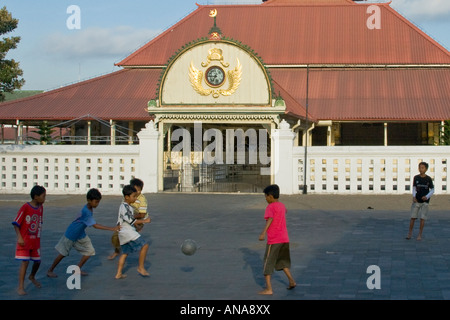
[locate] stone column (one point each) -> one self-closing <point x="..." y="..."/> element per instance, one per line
<point x="283" y="167"/>
<point x="149" y="154"/>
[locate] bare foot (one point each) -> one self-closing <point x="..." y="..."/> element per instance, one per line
<point x="35" y="282"/>
<point x="112" y="256"/>
<point x="266" y="292"/>
<point x="21" y="292"/>
<point x="419" y="238"/>
<point x="120" y="276"/>
<point x="408" y="236"/>
<point x="291" y="286"/>
<point x="143" y="272"/>
<point x="51" y="274"/>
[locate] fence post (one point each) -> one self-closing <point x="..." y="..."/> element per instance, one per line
<point x="283" y="139"/>
<point x="148" y="157"/>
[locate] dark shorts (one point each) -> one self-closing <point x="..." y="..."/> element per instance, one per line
<point x="133" y="246"/>
<point x="277" y="257"/>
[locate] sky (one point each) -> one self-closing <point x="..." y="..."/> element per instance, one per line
<point x="60" y="46"/>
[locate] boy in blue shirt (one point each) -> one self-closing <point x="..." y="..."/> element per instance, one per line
<point x="75" y="235"/>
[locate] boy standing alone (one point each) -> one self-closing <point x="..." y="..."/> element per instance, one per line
<point x="277" y="255"/>
<point x="423" y="189"/>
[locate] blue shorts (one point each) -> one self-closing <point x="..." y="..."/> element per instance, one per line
<point x="133" y="246"/>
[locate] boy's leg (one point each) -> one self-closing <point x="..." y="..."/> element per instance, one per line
<point x="411" y="227"/>
<point x="83" y="260"/>
<point x="122" y="260"/>
<point x="292" y="283"/>
<point x="57" y="260"/>
<point x="422" y="224"/>
<point x="34" y="269"/>
<point x="22" y="271"/>
<point x="116" y="244"/>
<point x="142" y="256"/>
<point x="423" y="217"/>
<point x="268" y="289"/>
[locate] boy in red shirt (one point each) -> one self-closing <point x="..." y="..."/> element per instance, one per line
<point x="28" y="225"/>
<point x="277" y="255"/>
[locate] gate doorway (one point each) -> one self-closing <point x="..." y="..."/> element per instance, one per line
<point x="216" y="178"/>
<point x="239" y="160"/>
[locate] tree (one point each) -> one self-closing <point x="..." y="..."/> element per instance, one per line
<point x="10" y="72"/>
<point x="45" y="132"/>
<point x="445" y="133"/>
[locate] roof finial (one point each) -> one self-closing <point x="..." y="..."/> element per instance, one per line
<point x="215" y="33"/>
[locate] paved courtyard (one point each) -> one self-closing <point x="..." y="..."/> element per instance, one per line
<point x="334" y="239"/>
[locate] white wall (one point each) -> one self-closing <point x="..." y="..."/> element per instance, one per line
<point x="369" y="170"/>
<point x="68" y="169"/>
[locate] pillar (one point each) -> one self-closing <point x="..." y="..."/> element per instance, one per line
<point x="148" y="157"/>
<point x="283" y="166"/>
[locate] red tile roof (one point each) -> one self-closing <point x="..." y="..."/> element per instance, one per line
<point x="283" y="33"/>
<point x="372" y="94"/>
<point x="302" y="32"/>
<point x="121" y="95"/>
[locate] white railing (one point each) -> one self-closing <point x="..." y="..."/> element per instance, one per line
<point x="69" y="169"/>
<point x="73" y="169"/>
<point x="369" y="170"/>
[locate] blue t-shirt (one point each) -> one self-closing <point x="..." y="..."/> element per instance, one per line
<point x="76" y="230"/>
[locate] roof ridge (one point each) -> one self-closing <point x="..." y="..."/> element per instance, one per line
<point x="416" y="28"/>
<point x="307" y="2"/>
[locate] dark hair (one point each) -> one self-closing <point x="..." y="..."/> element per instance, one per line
<point x="273" y="190"/>
<point x="37" y="191"/>
<point x="424" y="163"/>
<point x="135" y="182"/>
<point x="94" y="194"/>
<point x="128" y="190"/>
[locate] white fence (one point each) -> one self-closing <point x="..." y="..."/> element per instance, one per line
<point x="69" y="169"/>
<point x="368" y="170"/>
<point x="73" y="169"/>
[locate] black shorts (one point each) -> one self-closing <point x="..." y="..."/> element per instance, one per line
<point x="277" y="257"/>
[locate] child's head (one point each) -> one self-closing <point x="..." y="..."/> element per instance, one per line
<point x="138" y="184"/>
<point x="129" y="193"/>
<point x="93" y="197"/>
<point x="38" y="194"/>
<point x="423" y="167"/>
<point x="272" y="193"/>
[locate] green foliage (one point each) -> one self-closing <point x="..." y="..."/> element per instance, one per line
<point x="445" y="133"/>
<point x="45" y="132"/>
<point x="10" y="72"/>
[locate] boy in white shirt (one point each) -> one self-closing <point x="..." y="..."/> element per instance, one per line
<point x="130" y="240"/>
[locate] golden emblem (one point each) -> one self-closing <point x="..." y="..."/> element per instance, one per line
<point x="215" y="76"/>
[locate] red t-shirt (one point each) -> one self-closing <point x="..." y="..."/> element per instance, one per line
<point x="29" y="221"/>
<point x="277" y="232"/>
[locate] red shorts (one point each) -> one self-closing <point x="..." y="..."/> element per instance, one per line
<point x="23" y="253"/>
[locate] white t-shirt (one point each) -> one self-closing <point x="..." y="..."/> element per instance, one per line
<point x="126" y="221"/>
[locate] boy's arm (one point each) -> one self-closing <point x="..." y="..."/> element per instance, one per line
<point x="99" y="226"/>
<point x="142" y="221"/>
<point x="428" y="196"/>
<point x="20" y="241"/>
<point x="262" y="236"/>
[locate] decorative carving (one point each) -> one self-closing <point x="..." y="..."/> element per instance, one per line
<point x="234" y="76"/>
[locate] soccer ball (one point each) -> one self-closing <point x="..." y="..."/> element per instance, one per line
<point x="189" y="247"/>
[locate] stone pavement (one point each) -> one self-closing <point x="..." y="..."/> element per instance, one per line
<point x="334" y="239"/>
